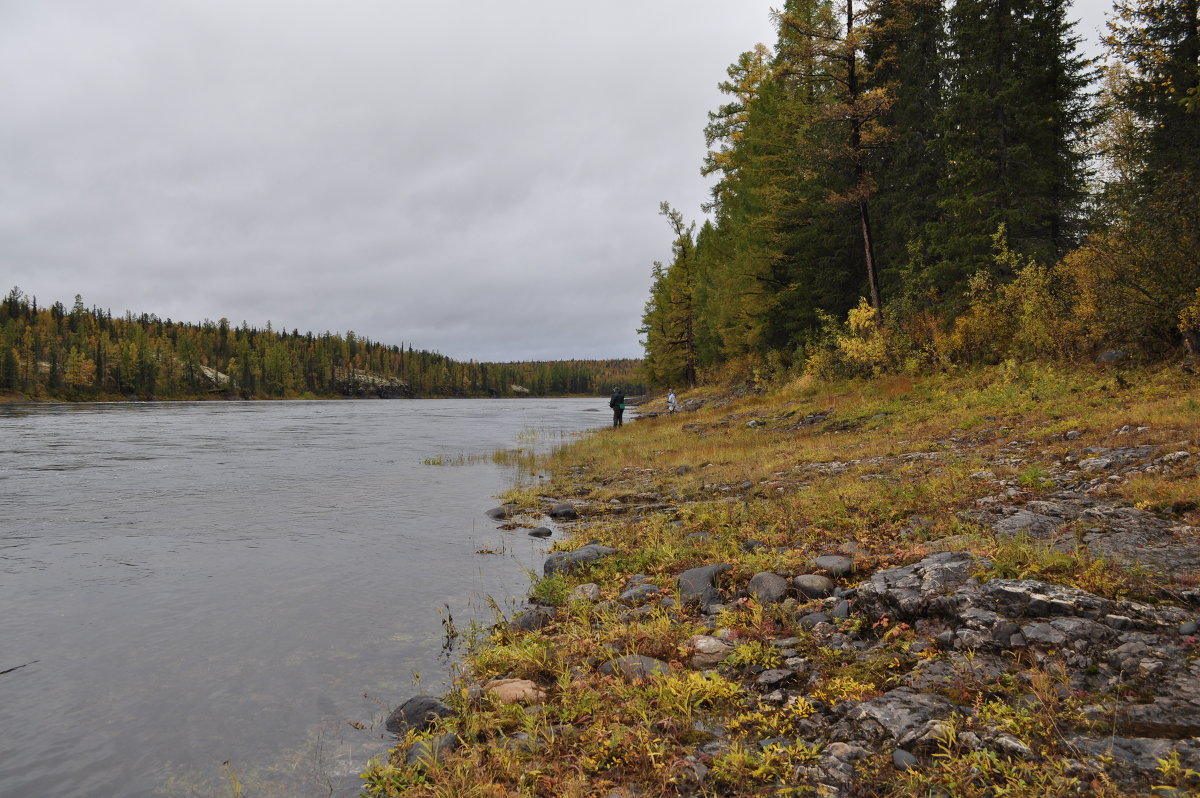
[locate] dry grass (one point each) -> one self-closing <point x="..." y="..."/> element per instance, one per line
<point x="772" y="482"/>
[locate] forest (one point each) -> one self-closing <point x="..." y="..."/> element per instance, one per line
<point x="921" y="185"/>
<point x="52" y="353"/>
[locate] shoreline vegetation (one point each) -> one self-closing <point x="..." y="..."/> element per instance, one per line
<point x="981" y="583"/>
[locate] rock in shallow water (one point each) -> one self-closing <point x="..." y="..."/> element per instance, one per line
<point x="501" y="513"/>
<point x="418" y="712"/>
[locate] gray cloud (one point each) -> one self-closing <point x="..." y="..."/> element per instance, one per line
<point x="479" y="178"/>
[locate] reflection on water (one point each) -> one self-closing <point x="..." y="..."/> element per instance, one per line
<point x="185" y="585"/>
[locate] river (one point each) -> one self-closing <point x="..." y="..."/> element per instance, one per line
<point x="201" y="598"/>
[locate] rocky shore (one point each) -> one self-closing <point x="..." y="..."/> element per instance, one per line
<point x="1030" y="632"/>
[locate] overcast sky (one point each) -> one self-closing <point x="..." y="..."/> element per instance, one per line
<point x="477" y="177"/>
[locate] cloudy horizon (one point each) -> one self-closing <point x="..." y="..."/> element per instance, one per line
<point x="479" y="179"/>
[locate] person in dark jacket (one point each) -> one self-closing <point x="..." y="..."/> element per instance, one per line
<point x="617" y="403"/>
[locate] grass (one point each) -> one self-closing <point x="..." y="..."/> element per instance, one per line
<point x="881" y="469"/>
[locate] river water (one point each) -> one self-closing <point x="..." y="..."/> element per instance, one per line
<point x="197" y="598"/>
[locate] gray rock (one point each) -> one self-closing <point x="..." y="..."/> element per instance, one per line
<point x="909" y="590"/>
<point x="586" y="592"/>
<point x="531" y="620"/>
<point x="1011" y="746"/>
<point x="683" y="470"/>
<point x="1110" y="356"/>
<point x="710" y="651"/>
<point x="502" y="512"/>
<point x="774" y="677"/>
<point x="836" y="565"/>
<point x="541" y="532"/>
<point x="900" y="714"/>
<point x="418" y="712"/>
<point x="813" y="585"/>
<point x="563" y="511"/>
<point x="1187" y="628"/>
<point x="768" y="588"/>
<point x="639" y="593"/>
<point x="1025" y="521"/>
<point x="635" y="667"/>
<point x="903" y="760"/>
<point x="841" y="609"/>
<point x="812" y="619"/>
<point x="430" y="751"/>
<point x="1140" y="755"/>
<point x="565" y="562"/>
<point x="698" y="585"/>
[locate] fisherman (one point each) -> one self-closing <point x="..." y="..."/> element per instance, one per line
<point x="617" y="403"/>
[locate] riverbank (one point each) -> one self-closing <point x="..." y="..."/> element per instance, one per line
<point x="973" y="585"/>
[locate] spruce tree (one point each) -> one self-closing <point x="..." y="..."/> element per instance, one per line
<point x="904" y="57"/>
<point x="1158" y="42"/>
<point x="1015" y="113"/>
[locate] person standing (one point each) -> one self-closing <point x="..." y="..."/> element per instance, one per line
<point x="617" y="403"/>
<point x="672" y="402"/>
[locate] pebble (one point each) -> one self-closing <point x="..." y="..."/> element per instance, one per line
<point x="903" y="760"/>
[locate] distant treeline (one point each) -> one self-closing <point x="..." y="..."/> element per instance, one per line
<point x="85" y="353"/>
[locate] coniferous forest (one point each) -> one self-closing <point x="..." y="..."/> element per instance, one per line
<point x="906" y="185"/>
<point x="86" y="353"/>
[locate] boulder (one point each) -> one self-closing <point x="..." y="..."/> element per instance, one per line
<point x="515" y="691"/>
<point x="698" y="585"/>
<point x="565" y="562"/>
<point x="814" y="585"/>
<point x="639" y="593"/>
<point x="709" y="651"/>
<point x="901" y="714"/>
<point x="768" y="588"/>
<point x="541" y="532"/>
<point x="907" y="591"/>
<point x="635" y="667"/>
<point x="587" y="592"/>
<point x="418" y="712"/>
<point x="501" y="513"/>
<point x="563" y="511"/>
<point x="836" y="565"/>
<point x="431" y="751"/>
<point x="531" y="620"/>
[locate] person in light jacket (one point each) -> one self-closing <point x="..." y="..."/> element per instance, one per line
<point x="672" y="402"/>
